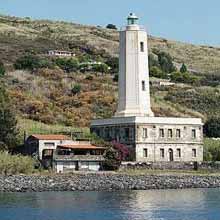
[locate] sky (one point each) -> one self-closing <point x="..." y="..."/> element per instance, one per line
<point x="192" y="21"/>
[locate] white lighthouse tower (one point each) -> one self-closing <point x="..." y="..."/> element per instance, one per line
<point x="134" y="93"/>
<point x="149" y="138"/>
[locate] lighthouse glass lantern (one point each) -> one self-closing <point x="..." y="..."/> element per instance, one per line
<point x="132" y="19"/>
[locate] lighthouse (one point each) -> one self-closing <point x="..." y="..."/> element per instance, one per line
<point x="134" y="92"/>
<point x="149" y="138"/>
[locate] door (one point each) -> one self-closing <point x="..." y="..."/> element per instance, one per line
<point x="170" y="154"/>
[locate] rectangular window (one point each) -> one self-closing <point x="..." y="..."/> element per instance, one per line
<point x="170" y="133"/>
<point x="161" y="131"/>
<point x="193" y="133"/>
<point x="142" y="46"/>
<point x="127" y="133"/>
<point x="145" y="152"/>
<point x="145" y="133"/>
<point x="162" y="153"/>
<point x="193" y="152"/>
<point x="143" y="86"/>
<point x="178" y="152"/>
<point x="178" y="133"/>
<point x="49" y="144"/>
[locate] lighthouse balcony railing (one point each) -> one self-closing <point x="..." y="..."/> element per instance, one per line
<point x="141" y="27"/>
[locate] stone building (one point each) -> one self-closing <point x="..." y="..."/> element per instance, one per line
<point x="151" y="138"/>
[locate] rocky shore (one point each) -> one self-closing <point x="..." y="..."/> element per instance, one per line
<point x="104" y="182"/>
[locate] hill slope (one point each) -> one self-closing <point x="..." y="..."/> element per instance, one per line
<point x="18" y="35"/>
<point x="45" y="94"/>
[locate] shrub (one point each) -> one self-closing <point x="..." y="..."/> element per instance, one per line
<point x="111" y="26"/>
<point x="32" y="62"/>
<point x="2" y="69"/>
<point x="67" y="64"/>
<point x="183" y="78"/>
<point x="102" y="68"/>
<point x="211" y="150"/>
<point x="15" y="164"/>
<point x="115" y="78"/>
<point x="76" y="89"/>
<point x="212" y="127"/>
<point x="89" y="77"/>
<point x="205" y="101"/>
<point x="157" y="72"/>
<point x="114" y="155"/>
<point x="113" y="62"/>
<point x="29" y="62"/>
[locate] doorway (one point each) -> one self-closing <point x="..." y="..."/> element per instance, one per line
<point x="170" y="154"/>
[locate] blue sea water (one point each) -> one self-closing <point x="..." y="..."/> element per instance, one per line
<point x="193" y="204"/>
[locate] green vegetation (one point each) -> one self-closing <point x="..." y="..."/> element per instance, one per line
<point x="201" y="99"/>
<point x="8" y="123"/>
<point x="76" y="89"/>
<point x="211" y="150"/>
<point x="183" y="68"/>
<point x="184" y="77"/>
<point x="2" y="69"/>
<point x="45" y="97"/>
<point x="111" y="26"/>
<point x="67" y="64"/>
<point x="212" y="127"/>
<point x="166" y="62"/>
<point x="15" y="164"/>
<point x="157" y="72"/>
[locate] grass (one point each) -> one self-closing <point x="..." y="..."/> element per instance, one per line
<point x="34" y="127"/>
<point x="15" y="164"/>
<point x="168" y="172"/>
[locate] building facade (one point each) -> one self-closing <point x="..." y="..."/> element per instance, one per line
<point x="152" y="139"/>
<point x="81" y="156"/>
<point x="44" y="145"/>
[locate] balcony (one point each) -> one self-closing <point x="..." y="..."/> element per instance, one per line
<point x="79" y="158"/>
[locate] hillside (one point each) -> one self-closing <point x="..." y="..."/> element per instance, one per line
<point x="18" y="35"/>
<point x="44" y="95"/>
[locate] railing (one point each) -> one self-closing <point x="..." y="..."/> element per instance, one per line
<point x="141" y="27"/>
<point x="79" y="157"/>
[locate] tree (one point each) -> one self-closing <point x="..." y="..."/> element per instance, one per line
<point x="8" y="122"/>
<point x="166" y="63"/>
<point x="183" y="68"/>
<point x="2" y="69"/>
<point x="114" y="155"/>
<point x="111" y="26"/>
<point x="212" y="127"/>
<point x="153" y="61"/>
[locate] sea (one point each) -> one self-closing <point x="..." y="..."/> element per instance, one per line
<point x="186" y="204"/>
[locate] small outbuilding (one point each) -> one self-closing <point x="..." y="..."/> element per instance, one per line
<point x="44" y="145"/>
<point x="78" y="156"/>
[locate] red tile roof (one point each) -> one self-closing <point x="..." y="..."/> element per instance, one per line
<point x="51" y="137"/>
<point x="81" y="146"/>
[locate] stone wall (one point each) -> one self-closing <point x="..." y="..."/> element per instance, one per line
<point x="208" y="166"/>
<point x="104" y="182"/>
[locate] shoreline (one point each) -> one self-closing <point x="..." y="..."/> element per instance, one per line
<point x="106" y="182"/>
